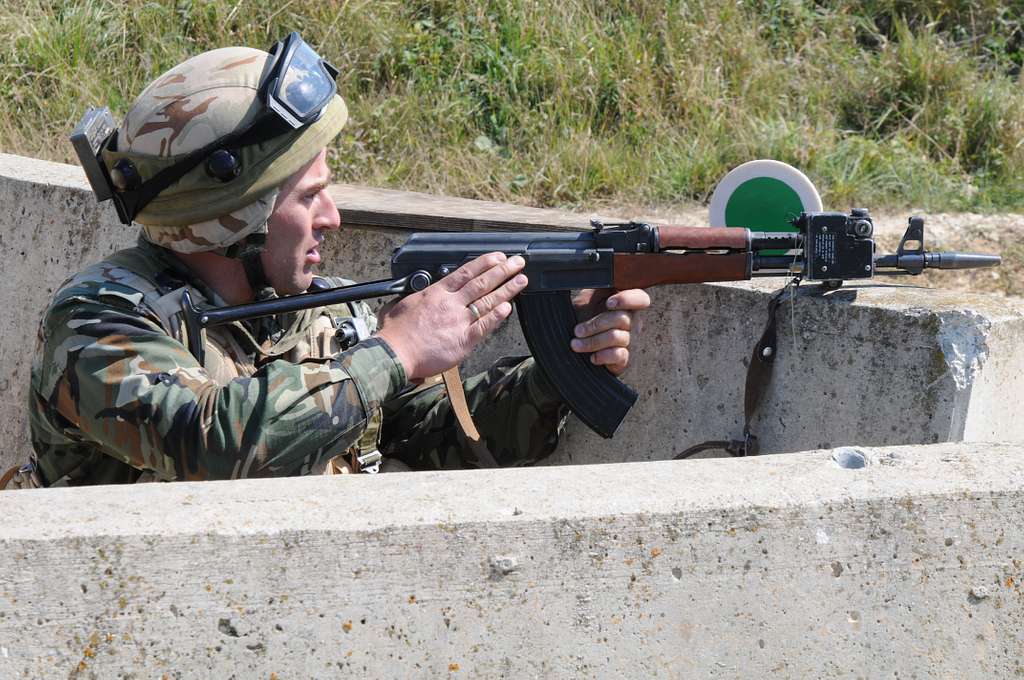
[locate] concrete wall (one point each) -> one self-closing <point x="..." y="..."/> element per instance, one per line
<point x="778" y="566"/>
<point x="50" y="225"/>
<point x="876" y="364"/>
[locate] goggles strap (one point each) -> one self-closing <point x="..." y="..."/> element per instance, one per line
<point x="135" y="200"/>
<point x="253" y="264"/>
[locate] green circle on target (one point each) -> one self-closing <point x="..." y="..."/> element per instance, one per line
<point x="763" y="204"/>
<point x="762" y="195"/>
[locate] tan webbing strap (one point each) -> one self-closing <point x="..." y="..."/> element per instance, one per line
<point x="338" y="466"/>
<point x="8" y="476"/>
<point x="457" y="398"/>
<point x="23" y="477"/>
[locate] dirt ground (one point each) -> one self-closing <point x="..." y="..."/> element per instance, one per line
<point x="1001" y="234"/>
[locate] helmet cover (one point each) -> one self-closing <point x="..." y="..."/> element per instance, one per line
<point x="189" y="107"/>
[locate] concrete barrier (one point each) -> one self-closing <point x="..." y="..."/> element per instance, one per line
<point x="50" y="226"/>
<point x="874" y="364"/>
<point x="778" y="566"/>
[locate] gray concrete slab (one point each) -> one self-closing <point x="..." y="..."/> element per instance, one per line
<point x="779" y="566"/>
<point x="50" y="226"/>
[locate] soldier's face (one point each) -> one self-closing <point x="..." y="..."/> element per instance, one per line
<point x="302" y="216"/>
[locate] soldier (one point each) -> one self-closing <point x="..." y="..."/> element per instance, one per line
<point x="222" y="160"/>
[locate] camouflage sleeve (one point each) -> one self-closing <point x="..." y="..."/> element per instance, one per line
<point x="515" y="407"/>
<point x="140" y="396"/>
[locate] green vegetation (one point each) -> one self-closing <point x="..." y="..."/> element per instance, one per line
<point x="884" y="102"/>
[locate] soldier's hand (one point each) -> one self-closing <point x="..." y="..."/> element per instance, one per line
<point x="437" y="328"/>
<point x="610" y="320"/>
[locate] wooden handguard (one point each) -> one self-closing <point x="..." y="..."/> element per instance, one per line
<point x="703" y="238"/>
<point x="644" y="271"/>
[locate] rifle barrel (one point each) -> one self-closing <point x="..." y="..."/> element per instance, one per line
<point x="783" y="262"/>
<point x="776" y="240"/>
<point x="917" y="262"/>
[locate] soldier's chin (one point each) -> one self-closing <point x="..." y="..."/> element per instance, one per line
<point x="293" y="287"/>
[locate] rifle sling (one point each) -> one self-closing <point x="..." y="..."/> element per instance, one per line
<point x="759" y="376"/>
<point x="8" y="476"/>
<point x="457" y="399"/>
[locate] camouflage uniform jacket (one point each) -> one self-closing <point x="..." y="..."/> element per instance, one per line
<point x="117" y="397"/>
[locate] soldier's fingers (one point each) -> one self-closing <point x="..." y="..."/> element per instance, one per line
<point x="587" y="298"/>
<point x="505" y="293"/>
<point x="489" y="322"/>
<point x="615" y="359"/>
<point x="605" y="321"/>
<point x="632" y="299"/>
<point x="596" y="343"/>
<point x="467" y="272"/>
<point x="491" y="278"/>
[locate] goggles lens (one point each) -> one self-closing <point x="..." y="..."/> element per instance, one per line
<point x="301" y="83"/>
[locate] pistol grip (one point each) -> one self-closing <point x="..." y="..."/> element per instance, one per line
<point x="597" y="397"/>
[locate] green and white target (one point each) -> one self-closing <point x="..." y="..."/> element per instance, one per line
<point x="762" y="195"/>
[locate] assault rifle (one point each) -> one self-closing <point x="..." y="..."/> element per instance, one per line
<point x="827" y="247"/>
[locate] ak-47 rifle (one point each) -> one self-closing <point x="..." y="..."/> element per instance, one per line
<point x="828" y="247"/>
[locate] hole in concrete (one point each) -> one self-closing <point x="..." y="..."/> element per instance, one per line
<point x="849" y="458"/>
<point x="227" y="628"/>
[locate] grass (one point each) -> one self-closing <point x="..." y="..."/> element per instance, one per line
<point x="882" y="103"/>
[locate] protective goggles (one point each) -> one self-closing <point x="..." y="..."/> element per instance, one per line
<point x="300" y="83"/>
<point x="295" y="91"/>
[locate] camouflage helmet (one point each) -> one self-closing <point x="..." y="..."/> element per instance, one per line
<point x="196" y="103"/>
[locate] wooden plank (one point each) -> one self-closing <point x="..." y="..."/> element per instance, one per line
<point x="368" y="207"/>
